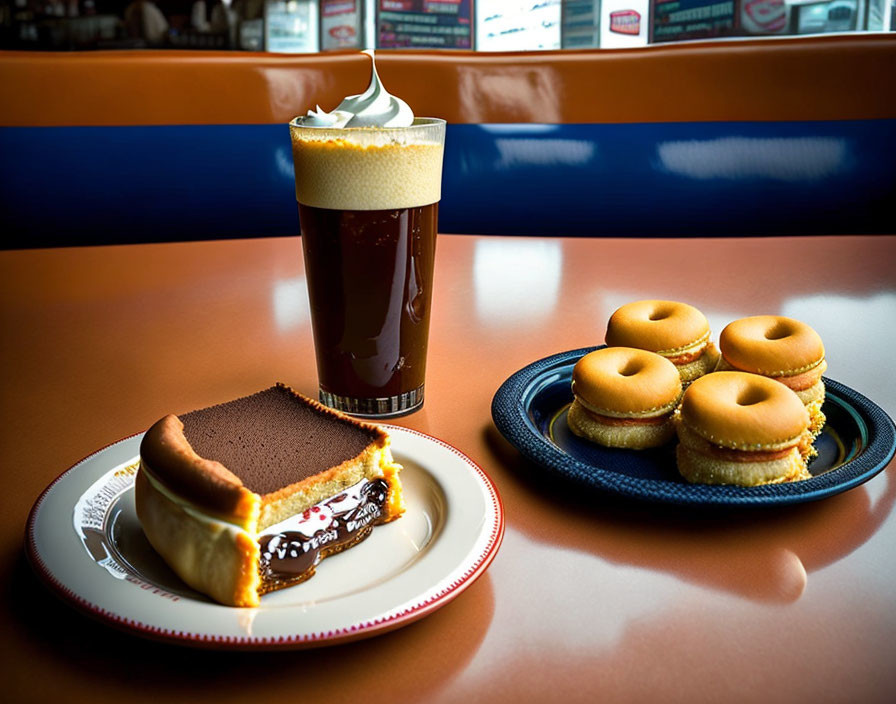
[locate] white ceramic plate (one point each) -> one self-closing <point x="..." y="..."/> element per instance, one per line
<point x="85" y="540"/>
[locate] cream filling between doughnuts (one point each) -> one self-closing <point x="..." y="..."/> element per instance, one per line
<point x="690" y="348"/>
<point x="725" y="365"/>
<point x="704" y="469"/>
<point x="647" y="413"/>
<point x="693" y="438"/>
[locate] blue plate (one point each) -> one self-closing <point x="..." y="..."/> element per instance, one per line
<point x="530" y="408"/>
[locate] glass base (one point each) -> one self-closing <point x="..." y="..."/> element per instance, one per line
<point x="385" y="407"/>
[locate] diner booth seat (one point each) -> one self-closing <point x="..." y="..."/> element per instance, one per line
<point x="786" y="136"/>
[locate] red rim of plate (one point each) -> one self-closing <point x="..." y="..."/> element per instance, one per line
<point x="357" y="631"/>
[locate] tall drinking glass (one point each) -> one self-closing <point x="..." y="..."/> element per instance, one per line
<point x="368" y="210"/>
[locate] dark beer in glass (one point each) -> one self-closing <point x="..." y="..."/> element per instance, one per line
<point x="368" y="211"/>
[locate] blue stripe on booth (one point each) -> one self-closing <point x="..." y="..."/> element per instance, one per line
<point x="84" y="185"/>
<point x="682" y="179"/>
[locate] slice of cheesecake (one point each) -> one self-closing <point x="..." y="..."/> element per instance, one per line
<point x="246" y="497"/>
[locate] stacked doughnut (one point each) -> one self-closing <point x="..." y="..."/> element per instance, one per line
<point x="744" y="414"/>
<point x="744" y="429"/>
<point x="624" y="397"/>
<point x="677" y="331"/>
<point x="783" y="349"/>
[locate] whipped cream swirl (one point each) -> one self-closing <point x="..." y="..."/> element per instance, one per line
<point x="375" y="107"/>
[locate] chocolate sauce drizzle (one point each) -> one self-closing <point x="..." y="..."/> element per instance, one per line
<point x="290" y="557"/>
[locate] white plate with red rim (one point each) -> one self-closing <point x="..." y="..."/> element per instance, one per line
<point x="83" y="538"/>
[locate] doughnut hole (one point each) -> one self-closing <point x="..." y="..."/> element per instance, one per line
<point x="778" y="330"/>
<point x="750" y="396"/>
<point x="631" y="367"/>
<point x="660" y="313"/>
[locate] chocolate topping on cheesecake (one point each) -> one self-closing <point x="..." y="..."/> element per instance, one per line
<point x="270" y="440"/>
<point x="290" y="556"/>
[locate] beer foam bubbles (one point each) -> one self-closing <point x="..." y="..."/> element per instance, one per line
<point x="370" y="153"/>
<point x="367" y="168"/>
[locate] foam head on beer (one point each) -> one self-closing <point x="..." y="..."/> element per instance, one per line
<point x="369" y="153"/>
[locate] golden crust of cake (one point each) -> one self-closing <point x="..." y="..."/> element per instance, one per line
<point x="626" y="382"/>
<point x="771" y="345"/>
<point x="743" y="411"/>
<point x="664" y="327"/>
<point x="215" y="558"/>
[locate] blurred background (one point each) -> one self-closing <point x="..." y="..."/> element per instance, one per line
<point x="303" y="26"/>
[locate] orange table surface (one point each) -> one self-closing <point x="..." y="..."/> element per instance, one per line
<point x="589" y="599"/>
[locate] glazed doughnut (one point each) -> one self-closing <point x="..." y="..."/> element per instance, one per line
<point x="677" y="331"/>
<point x="624" y="397"/>
<point x="741" y="428"/>
<point x="780" y="348"/>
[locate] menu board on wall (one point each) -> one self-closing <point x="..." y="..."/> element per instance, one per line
<point x="674" y="20"/>
<point x="425" y="24"/>
<point x="341" y="24"/>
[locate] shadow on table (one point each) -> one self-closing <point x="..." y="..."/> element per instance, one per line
<point x="760" y="553"/>
<point x="77" y="649"/>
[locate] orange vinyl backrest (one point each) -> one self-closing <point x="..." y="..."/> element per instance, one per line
<point x="817" y="78"/>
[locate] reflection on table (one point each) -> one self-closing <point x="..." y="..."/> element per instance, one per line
<point x="589" y="593"/>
